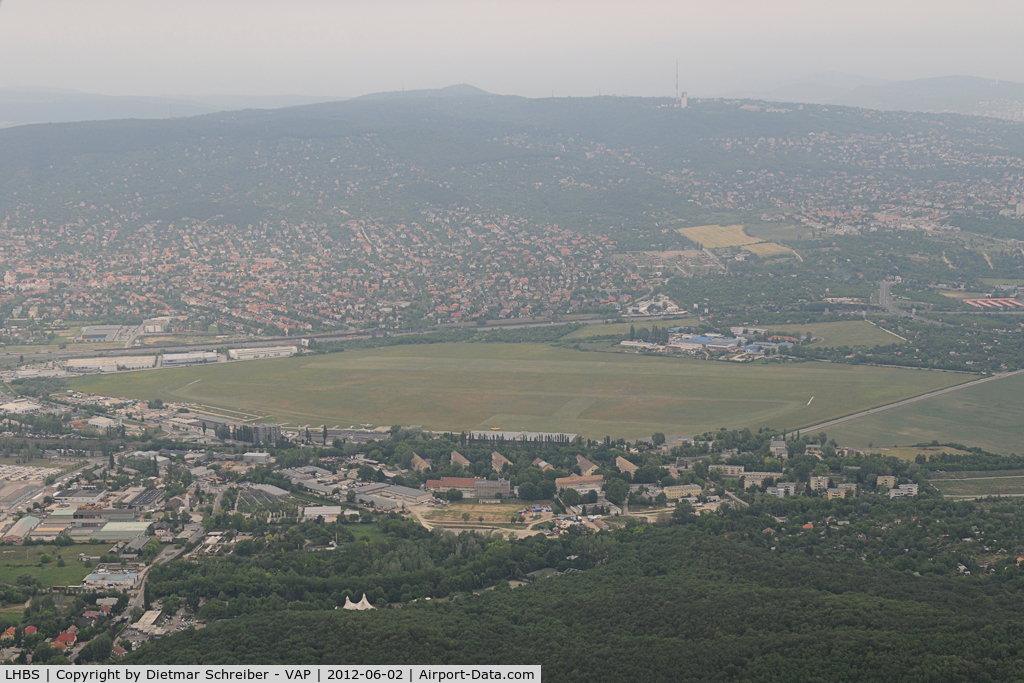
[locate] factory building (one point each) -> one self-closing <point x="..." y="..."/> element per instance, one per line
<point x="262" y="352"/>
<point x="190" y="358"/>
<point x="111" y="364"/>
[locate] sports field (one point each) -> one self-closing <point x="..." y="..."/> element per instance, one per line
<point x="988" y="415"/>
<point x="526" y="386"/>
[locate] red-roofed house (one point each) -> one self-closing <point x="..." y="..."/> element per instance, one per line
<point x="65" y="640"/>
<point x="464" y="484"/>
<point x="8" y="634"/>
<point x="29" y="630"/>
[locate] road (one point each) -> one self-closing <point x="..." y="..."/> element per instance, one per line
<point x="216" y="501"/>
<point x="166" y="555"/>
<point x="135" y="333"/>
<point x="885" y="301"/>
<point x="737" y="499"/>
<point x="915" y="399"/>
<point x="70" y="352"/>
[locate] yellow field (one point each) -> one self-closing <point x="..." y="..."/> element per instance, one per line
<point x="718" y="236"/>
<point x="964" y="295"/>
<point x="767" y="249"/>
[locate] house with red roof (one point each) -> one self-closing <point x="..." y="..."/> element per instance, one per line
<point x="65" y="640"/>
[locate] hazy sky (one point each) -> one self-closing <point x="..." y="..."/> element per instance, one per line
<point x="526" y="47"/>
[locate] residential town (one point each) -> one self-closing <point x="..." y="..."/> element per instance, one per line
<point x="118" y="516"/>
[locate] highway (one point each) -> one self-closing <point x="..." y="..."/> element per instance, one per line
<point x="915" y="399"/>
<point x="885" y="301"/>
<point x="71" y="352"/>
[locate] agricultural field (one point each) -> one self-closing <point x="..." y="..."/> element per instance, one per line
<point x="721" y="236"/>
<point x="844" y="333"/>
<point x="987" y="415"/>
<point x="767" y="249"/>
<point x="718" y="236"/>
<point x="779" y="232"/>
<point x="996" y="281"/>
<point x="527" y="386"/>
<point x="24" y="559"/>
<point x="254" y="500"/>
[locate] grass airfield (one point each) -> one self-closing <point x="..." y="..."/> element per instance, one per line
<point x="526" y="386"/>
<point x="987" y="415"/>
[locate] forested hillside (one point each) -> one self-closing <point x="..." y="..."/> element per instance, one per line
<point x="668" y="604"/>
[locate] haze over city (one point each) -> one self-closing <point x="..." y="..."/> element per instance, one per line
<point x="521" y="47"/>
<point x="651" y="341"/>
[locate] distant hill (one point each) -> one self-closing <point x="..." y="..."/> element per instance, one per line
<point x="618" y="165"/>
<point x="19" y="106"/>
<point x="953" y="94"/>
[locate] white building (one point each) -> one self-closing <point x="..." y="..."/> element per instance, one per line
<point x="21" y="406"/>
<point x="100" y="422"/>
<point x="904" y="490"/>
<point x="111" y="364"/>
<point x="262" y="352"/>
<point x="190" y="358"/>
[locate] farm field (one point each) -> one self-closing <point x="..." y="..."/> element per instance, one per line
<point x="767" y="248"/>
<point x="526" y="386"/>
<point x="996" y="281"/>
<point x="718" y="236"/>
<point x="721" y="236"/>
<point x="24" y="559"/>
<point x="845" y="333"/>
<point x="987" y="416"/>
<point x="779" y="232"/>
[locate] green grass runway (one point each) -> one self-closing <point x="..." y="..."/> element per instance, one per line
<point x="987" y="415"/>
<point x="527" y="386"/>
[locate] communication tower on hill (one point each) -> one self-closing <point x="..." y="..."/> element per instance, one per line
<point x="680" y="97"/>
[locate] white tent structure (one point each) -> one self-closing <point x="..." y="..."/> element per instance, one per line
<point x="363" y="604"/>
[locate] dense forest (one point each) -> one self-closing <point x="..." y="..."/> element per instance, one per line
<point x="668" y="604"/>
